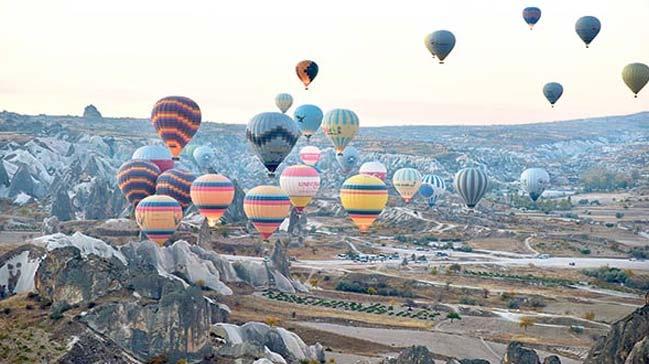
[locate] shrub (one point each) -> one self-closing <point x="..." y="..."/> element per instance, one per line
<point x="619" y="215"/>
<point x="584" y="251"/>
<point x="453" y="316"/>
<point x="526" y="321"/>
<point x="513" y="304"/>
<point x="271" y="321"/>
<point x="455" y="268"/>
<point x="590" y="315"/>
<point x="577" y="329"/>
<point x="371" y="291"/>
<point x="537" y="302"/>
<point x="58" y="309"/>
<point x="200" y="283"/>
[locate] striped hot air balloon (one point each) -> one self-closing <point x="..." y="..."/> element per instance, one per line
<point x="534" y="181"/>
<point x="176" y="183"/>
<point x="272" y="136"/>
<point x="308" y="118"/>
<point x="136" y="178"/>
<point x="301" y="183"/>
<point x="374" y="168"/>
<point x="306" y="71"/>
<point x="158" y="217"/>
<point x="340" y="126"/>
<point x="364" y="198"/>
<point x="283" y="102"/>
<point x="212" y="194"/>
<point x="437" y="186"/>
<point x="266" y="207"/>
<point x="157" y="154"/>
<point x="407" y="182"/>
<point x="471" y="183"/>
<point x="176" y="119"/>
<point x="310" y="155"/>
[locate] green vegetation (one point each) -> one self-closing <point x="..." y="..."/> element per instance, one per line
<point x="600" y="179"/>
<point x="528" y="278"/>
<point x="379" y="288"/>
<point x="453" y="316"/>
<point x="545" y="205"/>
<point x="374" y="308"/>
<point x="640" y="252"/>
<point x="619" y="277"/>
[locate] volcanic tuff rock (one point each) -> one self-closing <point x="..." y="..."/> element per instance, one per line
<point x="412" y="355"/>
<point x="62" y="206"/>
<point x="22" y="182"/>
<point x="91" y="112"/>
<point x="517" y="354"/>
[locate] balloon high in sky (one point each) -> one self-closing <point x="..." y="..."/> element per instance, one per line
<point x="232" y="60"/>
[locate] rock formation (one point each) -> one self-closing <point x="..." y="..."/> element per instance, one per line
<point x="626" y="343"/>
<point x="22" y="182"/>
<point x="62" y="206"/>
<point x="4" y="177"/>
<point x="517" y="354"/>
<point x="91" y="112"/>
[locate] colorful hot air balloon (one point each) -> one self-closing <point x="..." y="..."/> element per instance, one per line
<point x="428" y="192"/>
<point x="310" y="155"/>
<point x="212" y="194"/>
<point x="349" y="159"/>
<point x="136" y="178"/>
<point x="158" y="217"/>
<point x="636" y="76"/>
<point x="308" y="118"/>
<point x="176" y="119"/>
<point x="176" y="183"/>
<point x="266" y="207"/>
<point x="587" y="28"/>
<point x="301" y="183"/>
<point x="471" y="183"/>
<point x="364" y="198"/>
<point x="340" y="126"/>
<point x="283" y="102"/>
<point x="532" y="15"/>
<point x="407" y="182"/>
<point x="440" y="44"/>
<point x="204" y="156"/>
<point x="437" y="185"/>
<point x="306" y="71"/>
<point x="157" y="154"/>
<point x="272" y="136"/>
<point x="534" y="181"/>
<point x="374" y="168"/>
<point x="553" y="92"/>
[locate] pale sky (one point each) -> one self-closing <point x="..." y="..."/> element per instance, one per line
<point x="233" y="57"/>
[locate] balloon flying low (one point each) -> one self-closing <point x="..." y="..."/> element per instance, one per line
<point x="176" y="183"/>
<point x="212" y="194"/>
<point x="158" y="217"/>
<point x="266" y="207"/>
<point x="272" y="136"/>
<point x="176" y="119"/>
<point x="310" y="155"/>
<point x="137" y="179"/>
<point x="407" y="182"/>
<point x="308" y="118"/>
<point x="301" y="183"/>
<point x="340" y="126"/>
<point x="534" y="181"/>
<point x="374" y="168"/>
<point x="471" y="184"/>
<point x="156" y="154"/>
<point x="364" y="198"/>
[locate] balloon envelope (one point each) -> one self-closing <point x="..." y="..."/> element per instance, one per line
<point x="587" y="28"/>
<point x="212" y="194"/>
<point x="306" y="71"/>
<point x="534" y="181"/>
<point x="266" y="207"/>
<point x="349" y="159"/>
<point x="283" y="102"/>
<point x="441" y="43"/>
<point x="308" y="118"/>
<point x="176" y="119"/>
<point x="471" y="183"/>
<point x="636" y="76"/>
<point x="176" y="183"/>
<point x="531" y="15"/>
<point x="204" y="156"/>
<point x="157" y="154"/>
<point x="301" y="183"/>
<point x="553" y="91"/>
<point x="407" y="182"/>
<point x="437" y="185"/>
<point x="158" y="217"/>
<point x="364" y="198"/>
<point x="340" y="126"/>
<point x="272" y="136"/>
<point x="310" y="155"/>
<point x="374" y="168"/>
<point x="137" y="178"/>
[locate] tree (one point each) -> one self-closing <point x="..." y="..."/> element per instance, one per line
<point x="526" y="321"/>
<point x="371" y="291"/>
<point x="314" y="282"/>
<point x="590" y="315"/>
<point x="453" y="316"/>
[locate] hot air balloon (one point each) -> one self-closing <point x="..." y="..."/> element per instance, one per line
<point x="306" y="71"/>
<point x="310" y="155"/>
<point x="364" y="198"/>
<point x="587" y="28"/>
<point x="272" y="136"/>
<point x="437" y="184"/>
<point x="176" y="119"/>
<point x="636" y="76"/>
<point x="158" y="217"/>
<point x="340" y="126"/>
<point x="407" y="182"/>
<point x="301" y="183"/>
<point x="429" y="45"/>
<point x="428" y="192"/>
<point x="374" y="168"/>
<point x="283" y="102"/>
<point x="531" y="15"/>
<point x="471" y="183"/>
<point x="349" y="159"/>
<point x="553" y="92"/>
<point x="266" y="207"/>
<point x="136" y="178"/>
<point x="308" y="118"/>
<point x="204" y="156"/>
<point x="212" y="194"/>
<point x="157" y="154"/>
<point x="176" y="183"/>
<point x="534" y="181"/>
<point x="440" y="44"/>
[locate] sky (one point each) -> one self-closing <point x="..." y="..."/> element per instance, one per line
<point x="233" y="57"/>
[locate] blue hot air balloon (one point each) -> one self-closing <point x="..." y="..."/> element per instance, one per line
<point x="204" y="156"/>
<point x="587" y="28"/>
<point x="553" y="92"/>
<point x="532" y="15"/>
<point x="308" y="118"/>
<point x="349" y="159"/>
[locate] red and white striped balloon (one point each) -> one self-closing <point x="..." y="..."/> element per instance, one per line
<point x="301" y="183"/>
<point x="374" y="168"/>
<point x="310" y="155"/>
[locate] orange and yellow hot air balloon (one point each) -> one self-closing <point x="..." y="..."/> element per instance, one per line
<point x="364" y="198"/>
<point x="176" y="119"/>
<point x="266" y="207"/>
<point x="212" y="194"/>
<point x="158" y="216"/>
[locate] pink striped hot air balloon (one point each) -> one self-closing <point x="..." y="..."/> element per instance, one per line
<point x="374" y="168"/>
<point x="266" y="207"/>
<point x="310" y="155"/>
<point x="301" y="183"/>
<point x="212" y="194"/>
<point x="158" y="216"/>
